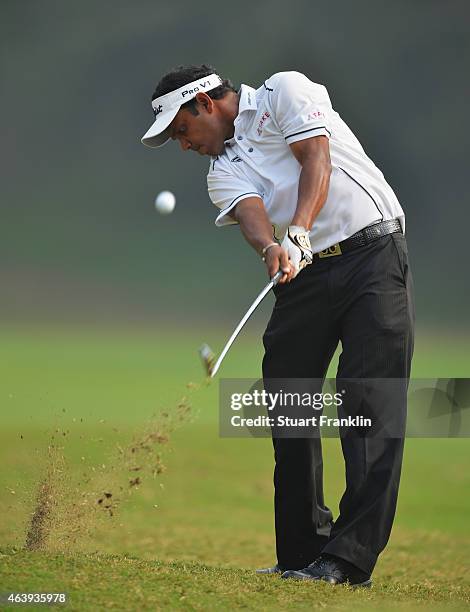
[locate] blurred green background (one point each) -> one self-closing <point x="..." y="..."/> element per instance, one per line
<point x="81" y="240"/>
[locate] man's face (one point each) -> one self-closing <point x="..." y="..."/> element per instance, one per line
<point x="203" y="133"/>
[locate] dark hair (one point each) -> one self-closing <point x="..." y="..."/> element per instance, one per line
<point x="187" y="74"/>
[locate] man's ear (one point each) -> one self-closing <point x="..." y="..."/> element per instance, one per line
<point x="205" y="101"/>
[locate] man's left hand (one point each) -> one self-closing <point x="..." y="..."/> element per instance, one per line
<point x="297" y="244"/>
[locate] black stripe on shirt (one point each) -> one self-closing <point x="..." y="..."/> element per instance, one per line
<point x="226" y="210"/>
<point x="362" y="187"/>
<point x="322" y="127"/>
<point x="253" y="193"/>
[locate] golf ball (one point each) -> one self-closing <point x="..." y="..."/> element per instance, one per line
<point x="165" y="202"/>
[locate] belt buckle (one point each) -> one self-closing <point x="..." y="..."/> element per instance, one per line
<point x="331" y="251"/>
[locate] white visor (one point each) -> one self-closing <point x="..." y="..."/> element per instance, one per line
<point x="166" y="107"/>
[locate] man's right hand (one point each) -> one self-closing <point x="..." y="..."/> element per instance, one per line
<point x="276" y="259"/>
<point x="258" y="232"/>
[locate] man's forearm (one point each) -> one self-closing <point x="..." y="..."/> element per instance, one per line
<point x="313" y="191"/>
<point x="313" y="154"/>
<point x="254" y="223"/>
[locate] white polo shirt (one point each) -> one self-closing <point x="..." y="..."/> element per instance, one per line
<point x="258" y="161"/>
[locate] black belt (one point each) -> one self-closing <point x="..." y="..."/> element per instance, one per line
<point x="361" y="238"/>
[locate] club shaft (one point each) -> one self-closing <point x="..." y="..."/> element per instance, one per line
<point x="240" y="326"/>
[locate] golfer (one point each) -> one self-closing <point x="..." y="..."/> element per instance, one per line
<point x="288" y="170"/>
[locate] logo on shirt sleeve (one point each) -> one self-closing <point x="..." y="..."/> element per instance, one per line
<point x="314" y="115"/>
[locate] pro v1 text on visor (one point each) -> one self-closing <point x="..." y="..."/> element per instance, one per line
<point x="166" y="107"/>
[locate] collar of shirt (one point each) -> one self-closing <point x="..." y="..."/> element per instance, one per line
<point x="247" y="102"/>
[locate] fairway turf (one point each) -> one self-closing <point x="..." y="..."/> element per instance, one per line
<point x="190" y="537"/>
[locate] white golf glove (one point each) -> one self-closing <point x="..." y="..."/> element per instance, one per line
<point x="297" y="244"/>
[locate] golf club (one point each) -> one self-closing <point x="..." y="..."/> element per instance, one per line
<point x="211" y="364"/>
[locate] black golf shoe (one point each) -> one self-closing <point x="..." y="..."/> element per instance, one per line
<point x="333" y="570"/>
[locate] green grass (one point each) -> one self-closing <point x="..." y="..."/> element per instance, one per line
<point x="191" y="537"/>
<point x="128" y="583"/>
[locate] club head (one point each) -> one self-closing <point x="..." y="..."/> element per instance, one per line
<point x="208" y="358"/>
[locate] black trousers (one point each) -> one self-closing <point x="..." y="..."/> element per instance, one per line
<point x="363" y="299"/>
